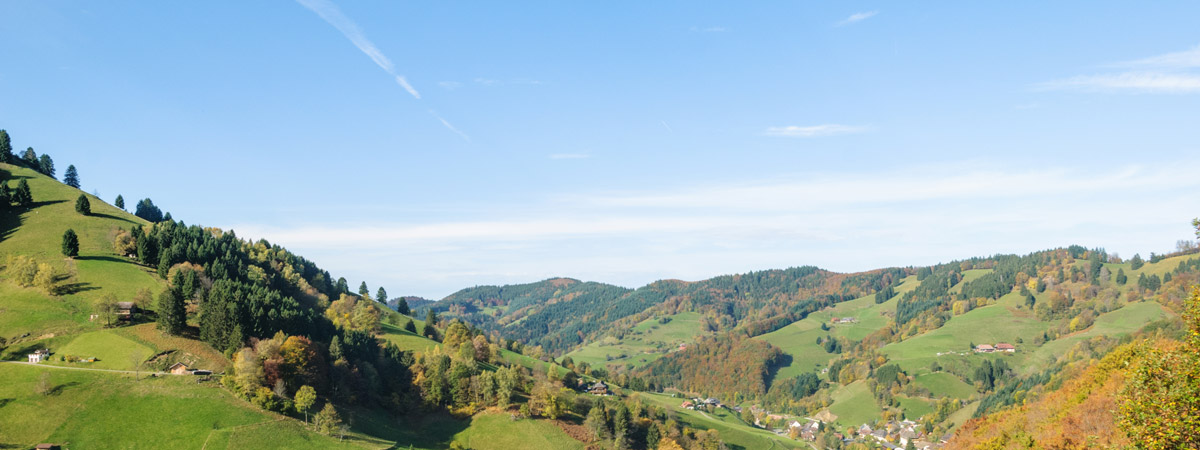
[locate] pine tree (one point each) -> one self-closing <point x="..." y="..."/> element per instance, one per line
<point x="120" y="202"/>
<point x="6" y="155"/>
<point x="402" y="307"/>
<point x="70" y="244"/>
<point x="172" y="315"/>
<point x="410" y="326"/>
<point x="342" y="287"/>
<point x="5" y="196"/>
<point x="71" y="178"/>
<point x="83" y="206"/>
<point x="381" y="295"/>
<point x="30" y="158"/>
<point x="362" y="289"/>
<point x="46" y="165"/>
<point x="23" y="196"/>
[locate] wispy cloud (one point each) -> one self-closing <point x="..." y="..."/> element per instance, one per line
<point x="450" y="127"/>
<point x="857" y="17"/>
<point x="570" y="156"/>
<point x="830" y="129"/>
<point x="1179" y="60"/>
<point x="1170" y="73"/>
<point x="934" y="214"/>
<point x="331" y="14"/>
<point x="1137" y="82"/>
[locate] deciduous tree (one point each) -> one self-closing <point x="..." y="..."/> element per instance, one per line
<point x="305" y="397"/>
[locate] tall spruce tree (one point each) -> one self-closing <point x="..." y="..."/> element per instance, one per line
<point x="402" y="307"/>
<point x="71" y="177"/>
<point x="70" y="244"/>
<point x="46" y="165"/>
<point x="120" y="202"/>
<point x="381" y="295"/>
<point x="83" y="206"/>
<point x="30" y="158"/>
<point x="362" y="289"/>
<point x="172" y="314"/>
<point x="6" y="155"/>
<point x="23" y="196"/>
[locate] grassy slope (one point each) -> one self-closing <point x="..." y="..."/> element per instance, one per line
<point x="498" y="431"/>
<point x="646" y="342"/>
<point x="799" y="339"/>
<point x="732" y="430"/>
<point x="96" y="272"/>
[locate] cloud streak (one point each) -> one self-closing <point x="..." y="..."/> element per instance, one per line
<point x="450" y="127"/>
<point x="841" y="221"/>
<point x="331" y="14"/>
<point x="829" y="129"/>
<point x="1170" y="73"/>
<point x="857" y="17"/>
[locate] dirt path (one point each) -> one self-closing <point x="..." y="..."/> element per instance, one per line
<point x="132" y="372"/>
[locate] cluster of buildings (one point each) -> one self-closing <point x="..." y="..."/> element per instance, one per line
<point x="699" y="402"/>
<point x="897" y="435"/>
<point x="842" y="320"/>
<point x="1001" y="347"/>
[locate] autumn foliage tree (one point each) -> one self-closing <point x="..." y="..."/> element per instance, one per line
<point x="1160" y="405"/>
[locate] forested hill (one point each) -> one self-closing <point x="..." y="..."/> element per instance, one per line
<point x="560" y="314"/>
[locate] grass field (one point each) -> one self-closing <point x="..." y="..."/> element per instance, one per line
<point x="497" y="431"/>
<point x="105" y="410"/>
<point x="799" y="339"/>
<point x="854" y="405"/>
<point x="943" y="384"/>
<point x="111" y="350"/>
<point x="647" y="341"/>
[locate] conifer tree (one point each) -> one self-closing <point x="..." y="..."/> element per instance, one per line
<point x="46" y="165"/>
<point x="83" y="206"/>
<point x="23" y="196"/>
<point x="120" y="202"/>
<point x="381" y="295"/>
<point x="6" y="155"/>
<point x="342" y="287"/>
<point x="172" y="315"/>
<point x="5" y="196"/>
<point x="30" y="158"/>
<point x="71" y="178"/>
<point x="70" y="244"/>
<point x="402" y="307"/>
<point x="362" y="289"/>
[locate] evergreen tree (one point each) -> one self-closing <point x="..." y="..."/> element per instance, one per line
<point x="5" y="195"/>
<point x="46" y="165"/>
<point x="172" y="315"/>
<point x="1121" y="277"/>
<point x="381" y="295"/>
<point x="6" y="155"/>
<point x="23" y="196"/>
<point x="342" y="287"/>
<point x="402" y="307"/>
<point x="1136" y="262"/>
<point x="30" y="158"/>
<point x="410" y="327"/>
<point x="362" y="289"/>
<point x="71" y="178"/>
<point x="430" y="329"/>
<point x="431" y="317"/>
<point x="70" y="244"/>
<point x="120" y="202"/>
<point x="83" y="206"/>
<point x="146" y="210"/>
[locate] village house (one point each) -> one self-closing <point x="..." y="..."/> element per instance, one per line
<point x="984" y="348"/>
<point x="179" y="369"/>
<point x="687" y="404"/>
<point x="598" y="389"/>
<point x="1004" y="347"/>
<point x="47" y="447"/>
<point x="39" y="356"/>
<point x="126" y="310"/>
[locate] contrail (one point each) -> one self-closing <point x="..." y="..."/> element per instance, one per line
<point x="332" y="15"/>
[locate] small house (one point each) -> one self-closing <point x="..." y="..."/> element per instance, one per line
<point x="126" y="310"/>
<point x="1003" y="347"/>
<point x="201" y="372"/>
<point x="39" y="356"/>
<point x="687" y="404"/>
<point x="47" y="447"/>
<point x="179" y="369"/>
<point x="598" y="389"/>
<point x="984" y="348"/>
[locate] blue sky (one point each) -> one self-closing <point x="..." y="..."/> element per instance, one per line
<point x="430" y="146"/>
